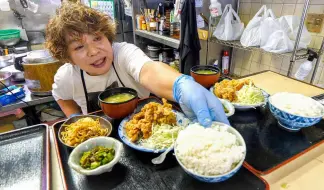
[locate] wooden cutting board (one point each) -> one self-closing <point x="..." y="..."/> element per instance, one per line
<point x="273" y="82"/>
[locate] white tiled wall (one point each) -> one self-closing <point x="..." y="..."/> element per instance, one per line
<point x="246" y="62"/>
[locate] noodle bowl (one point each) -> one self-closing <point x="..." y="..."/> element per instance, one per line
<point x="82" y="128"/>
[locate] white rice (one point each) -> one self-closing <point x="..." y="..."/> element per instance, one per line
<point x="297" y="104"/>
<point x="208" y="151"/>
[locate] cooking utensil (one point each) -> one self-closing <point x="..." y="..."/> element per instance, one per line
<point x="5" y="79"/>
<point x="6" y="60"/>
<point x="161" y="158"/>
<point x="34" y="65"/>
<point x="17" y="75"/>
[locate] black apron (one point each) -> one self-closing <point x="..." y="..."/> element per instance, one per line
<point x="92" y="97"/>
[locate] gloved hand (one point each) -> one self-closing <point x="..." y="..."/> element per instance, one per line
<point x="197" y="102"/>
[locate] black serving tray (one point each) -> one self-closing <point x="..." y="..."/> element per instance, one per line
<point x="135" y="171"/>
<point x="268" y="145"/>
<point x="25" y="159"/>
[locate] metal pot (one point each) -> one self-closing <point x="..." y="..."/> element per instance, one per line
<point x="4" y="79"/>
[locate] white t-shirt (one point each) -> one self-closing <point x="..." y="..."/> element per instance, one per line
<point x="128" y="61"/>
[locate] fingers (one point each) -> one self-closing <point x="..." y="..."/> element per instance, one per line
<point x="200" y="108"/>
<point x="216" y="109"/>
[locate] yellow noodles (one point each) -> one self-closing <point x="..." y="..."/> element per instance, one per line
<point x="82" y="130"/>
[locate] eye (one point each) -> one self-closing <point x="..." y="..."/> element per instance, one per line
<point x="78" y="48"/>
<point x="98" y="38"/>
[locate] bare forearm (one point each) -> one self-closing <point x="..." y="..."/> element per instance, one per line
<point x="69" y="107"/>
<point x="159" y="79"/>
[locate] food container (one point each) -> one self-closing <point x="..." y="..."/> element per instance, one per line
<point x="167" y="55"/>
<point x="6" y="60"/>
<point x="118" y="110"/>
<point x="216" y="178"/>
<point x="34" y="65"/>
<point x="9" y="37"/>
<point x="206" y="80"/>
<point x="175" y="29"/>
<point x="294" y="122"/>
<point x="153" y="51"/>
<point x="103" y="123"/>
<point x="76" y="154"/>
<point x="17" y="76"/>
<point x="5" y="79"/>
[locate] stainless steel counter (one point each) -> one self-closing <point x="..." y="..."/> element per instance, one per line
<point x="29" y="100"/>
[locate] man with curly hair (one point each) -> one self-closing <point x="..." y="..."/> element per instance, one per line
<point x="84" y="39"/>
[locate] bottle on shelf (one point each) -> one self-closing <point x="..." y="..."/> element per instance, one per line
<point x="215" y="9"/>
<point x="306" y="67"/>
<point x="225" y="63"/>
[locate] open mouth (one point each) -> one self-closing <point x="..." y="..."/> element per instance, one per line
<point x="99" y="63"/>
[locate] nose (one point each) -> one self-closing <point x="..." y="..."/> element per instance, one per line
<point x="92" y="50"/>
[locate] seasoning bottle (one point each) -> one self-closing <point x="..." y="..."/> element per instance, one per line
<point x="305" y="68"/>
<point x="143" y="25"/>
<point x="225" y="63"/>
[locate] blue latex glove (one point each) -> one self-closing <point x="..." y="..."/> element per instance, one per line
<point x="197" y="102"/>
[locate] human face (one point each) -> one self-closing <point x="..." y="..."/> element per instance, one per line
<point x="92" y="53"/>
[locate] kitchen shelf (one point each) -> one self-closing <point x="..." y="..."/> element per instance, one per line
<point x="301" y="54"/>
<point x="155" y="36"/>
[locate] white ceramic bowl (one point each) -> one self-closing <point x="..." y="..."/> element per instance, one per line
<point x="229" y="106"/>
<point x="216" y="178"/>
<point x="77" y="152"/>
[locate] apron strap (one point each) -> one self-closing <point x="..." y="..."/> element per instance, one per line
<point x="117" y="74"/>
<point x="85" y="88"/>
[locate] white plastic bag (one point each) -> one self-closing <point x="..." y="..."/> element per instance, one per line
<point x="251" y="35"/>
<point x="274" y="37"/>
<point x="229" y="28"/>
<point x="290" y="24"/>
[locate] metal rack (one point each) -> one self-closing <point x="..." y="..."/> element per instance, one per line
<point x="301" y="54"/>
<point x="294" y="55"/>
<point x="155" y="36"/>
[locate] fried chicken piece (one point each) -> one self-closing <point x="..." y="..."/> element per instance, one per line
<point x="152" y="113"/>
<point x="227" y="88"/>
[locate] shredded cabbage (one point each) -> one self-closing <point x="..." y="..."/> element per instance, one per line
<point x="163" y="136"/>
<point x="249" y="95"/>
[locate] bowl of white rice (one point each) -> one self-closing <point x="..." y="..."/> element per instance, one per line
<point x="295" y="111"/>
<point x="211" y="154"/>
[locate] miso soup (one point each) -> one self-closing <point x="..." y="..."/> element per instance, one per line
<point x="118" y="98"/>
<point x="206" y="72"/>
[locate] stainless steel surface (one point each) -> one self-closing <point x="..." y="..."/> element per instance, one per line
<point x="9" y="42"/>
<point x="6" y="60"/>
<point x="318" y="60"/>
<point x="301" y="54"/>
<point x="30" y="99"/>
<point x="36" y="37"/>
<point x="42" y="93"/>
<point x="155" y="36"/>
<point x="16" y="74"/>
<point x="5" y="78"/>
<point x="300" y="30"/>
<point x="103" y="123"/>
<point x="25" y="158"/>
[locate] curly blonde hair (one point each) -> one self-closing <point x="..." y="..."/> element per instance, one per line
<point x="75" y="19"/>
